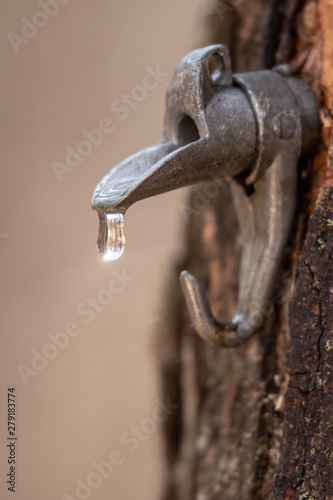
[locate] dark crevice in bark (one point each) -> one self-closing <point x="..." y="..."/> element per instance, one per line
<point x="286" y="49"/>
<point x="274" y="29"/>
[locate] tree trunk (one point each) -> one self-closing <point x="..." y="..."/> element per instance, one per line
<point x="256" y="421"/>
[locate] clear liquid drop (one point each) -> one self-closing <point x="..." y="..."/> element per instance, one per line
<point x="111" y="239"/>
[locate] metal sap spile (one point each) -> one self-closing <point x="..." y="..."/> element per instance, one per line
<point x="251" y="127"/>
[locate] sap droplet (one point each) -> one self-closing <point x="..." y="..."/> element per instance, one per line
<point x="111" y="239"/>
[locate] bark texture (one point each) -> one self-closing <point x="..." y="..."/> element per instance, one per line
<point x="256" y="422"/>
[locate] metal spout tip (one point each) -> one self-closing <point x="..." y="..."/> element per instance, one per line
<point x="114" y="192"/>
<point x="154" y="170"/>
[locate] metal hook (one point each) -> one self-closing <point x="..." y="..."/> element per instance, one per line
<point x="251" y="127"/>
<point x="204" y="323"/>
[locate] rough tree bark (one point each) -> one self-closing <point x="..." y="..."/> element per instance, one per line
<point x="256" y="422"/>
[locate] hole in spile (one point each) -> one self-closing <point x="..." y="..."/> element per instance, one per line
<point x="187" y="131"/>
<point x="217" y="69"/>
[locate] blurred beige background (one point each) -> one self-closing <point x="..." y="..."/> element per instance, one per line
<point x="63" y="79"/>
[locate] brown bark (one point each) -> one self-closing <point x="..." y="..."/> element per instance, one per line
<point x="256" y="422"/>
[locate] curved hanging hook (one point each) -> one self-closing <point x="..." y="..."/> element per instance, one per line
<point x="204" y="323"/>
